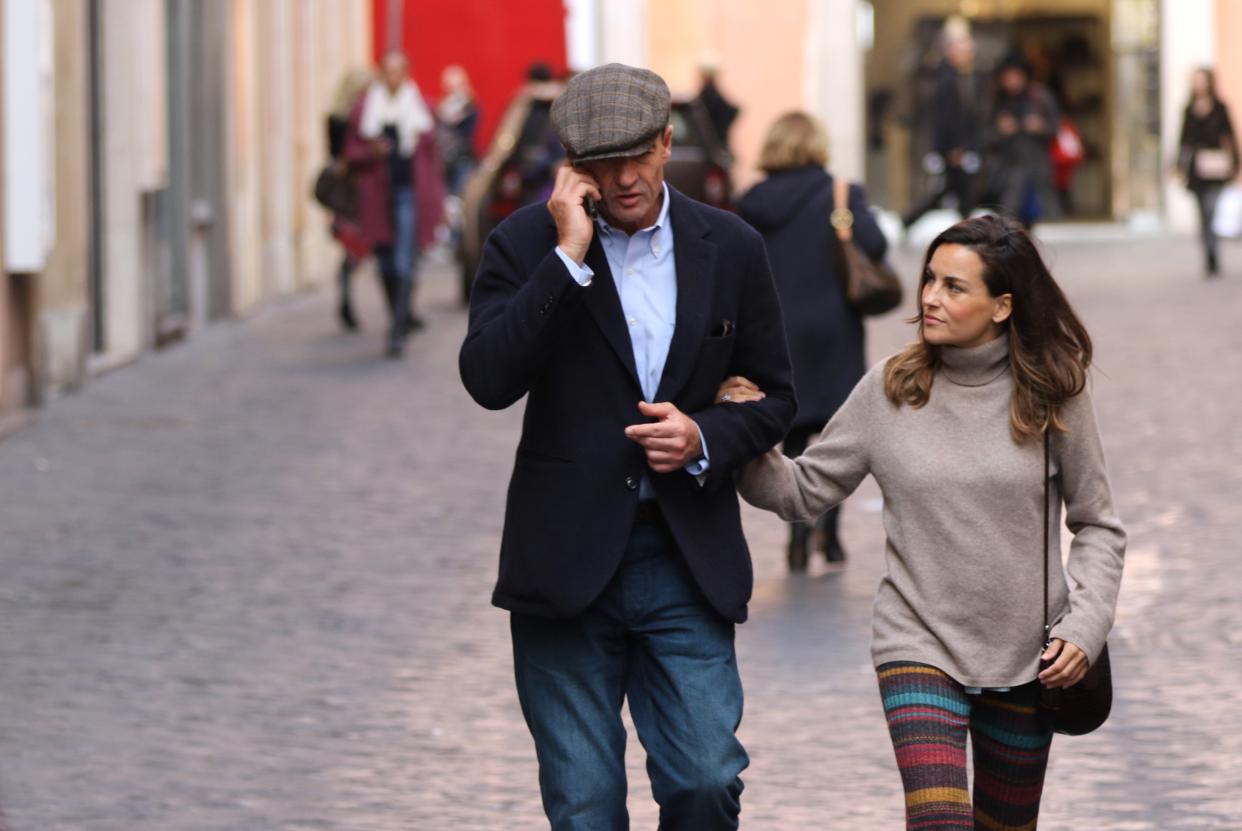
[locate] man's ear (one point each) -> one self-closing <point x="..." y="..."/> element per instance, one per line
<point x="666" y="141"/>
<point x="1004" y="308"/>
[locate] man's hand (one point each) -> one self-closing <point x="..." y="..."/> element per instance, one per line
<point x="672" y="442"/>
<point x="1034" y="123"/>
<point x="1006" y="124"/>
<point x="574" y="227"/>
<point x="738" y="389"/>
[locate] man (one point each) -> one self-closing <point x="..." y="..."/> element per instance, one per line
<point x="720" y="110"/>
<point x="956" y="124"/>
<point x="623" y="562"/>
<point x="1020" y="132"/>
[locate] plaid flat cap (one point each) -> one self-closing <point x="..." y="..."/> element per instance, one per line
<point x="612" y="110"/>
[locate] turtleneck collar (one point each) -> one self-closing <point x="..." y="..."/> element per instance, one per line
<point x="978" y="365"/>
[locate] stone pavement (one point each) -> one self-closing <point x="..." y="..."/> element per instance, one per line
<point x="245" y="586"/>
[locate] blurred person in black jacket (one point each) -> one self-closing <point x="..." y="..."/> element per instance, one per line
<point x="956" y="125"/>
<point x="721" y="112"/>
<point x="790" y="208"/>
<point x="1018" y="137"/>
<point x="348" y="96"/>
<point x="1207" y="156"/>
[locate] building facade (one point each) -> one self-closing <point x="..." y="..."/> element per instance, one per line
<point x="161" y="177"/>
<point x="1122" y="65"/>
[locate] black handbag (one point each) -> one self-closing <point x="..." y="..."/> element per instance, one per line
<point x="871" y="288"/>
<point x="336" y="190"/>
<point x="1085" y="706"/>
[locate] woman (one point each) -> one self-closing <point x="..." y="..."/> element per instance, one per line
<point x="345" y="228"/>
<point x="458" y="115"/>
<point x="790" y="209"/>
<point x="401" y="186"/>
<point x="1207" y="157"/>
<point x="953" y="429"/>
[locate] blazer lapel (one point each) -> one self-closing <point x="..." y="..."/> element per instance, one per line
<point x="605" y="304"/>
<point x="695" y="258"/>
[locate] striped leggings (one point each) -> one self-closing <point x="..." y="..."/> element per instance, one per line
<point x="929" y="716"/>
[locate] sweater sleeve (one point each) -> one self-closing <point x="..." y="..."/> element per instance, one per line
<point x="1098" y="548"/>
<point x="831" y="469"/>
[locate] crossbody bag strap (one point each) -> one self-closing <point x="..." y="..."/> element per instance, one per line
<point x="1047" y="519"/>
<point x="842" y="218"/>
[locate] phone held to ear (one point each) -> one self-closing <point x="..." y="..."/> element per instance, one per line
<point x="589" y="204"/>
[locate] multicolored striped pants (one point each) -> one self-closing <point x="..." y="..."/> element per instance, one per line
<point x="929" y="716"/>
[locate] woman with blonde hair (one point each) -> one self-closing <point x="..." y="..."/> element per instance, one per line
<point x="977" y="434"/>
<point x="790" y="208"/>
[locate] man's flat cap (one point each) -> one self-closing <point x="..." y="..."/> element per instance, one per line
<point x="612" y="110"/>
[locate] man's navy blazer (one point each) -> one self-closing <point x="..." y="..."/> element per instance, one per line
<point x="535" y="332"/>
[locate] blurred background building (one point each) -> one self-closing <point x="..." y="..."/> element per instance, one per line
<point x="158" y="154"/>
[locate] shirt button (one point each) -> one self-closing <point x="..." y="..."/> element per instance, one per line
<point x="655" y="249"/>
<point x="633" y="321"/>
<point x="631" y="483"/>
<point x="629" y="271"/>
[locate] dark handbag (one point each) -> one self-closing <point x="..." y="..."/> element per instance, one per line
<point x="1085" y="706"/>
<point x="336" y="190"/>
<point x="871" y="288"/>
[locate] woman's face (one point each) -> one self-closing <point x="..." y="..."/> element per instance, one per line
<point x="1199" y="83"/>
<point x="956" y="306"/>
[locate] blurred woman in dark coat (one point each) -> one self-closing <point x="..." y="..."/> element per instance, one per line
<point x="1207" y="156"/>
<point x="790" y="208"/>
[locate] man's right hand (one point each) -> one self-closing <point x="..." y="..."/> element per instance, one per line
<point x="574" y="227"/>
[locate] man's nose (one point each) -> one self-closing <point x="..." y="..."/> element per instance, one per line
<point x="627" y="174"/>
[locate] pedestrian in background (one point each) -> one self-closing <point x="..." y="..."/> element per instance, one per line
<point x="969" y="432"/>
<point x="791" y="209"/>
<point x="349" y="91"/>
<point x="458" y="115"/>
<point x="956" y="125"/>
<point x="721" y="112"/>
<point x="1023" y="123"/>
<point x="623" y="561"/>
<point x="401" y="186"/>
<point x="1207" y="157"/>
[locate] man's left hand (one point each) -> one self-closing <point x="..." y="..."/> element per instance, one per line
<point x="672" y="442"/>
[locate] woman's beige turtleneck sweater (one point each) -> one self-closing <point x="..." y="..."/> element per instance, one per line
<point x="963" y="515"/>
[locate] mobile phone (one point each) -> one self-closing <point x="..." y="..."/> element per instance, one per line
<point x="589" y="204"/>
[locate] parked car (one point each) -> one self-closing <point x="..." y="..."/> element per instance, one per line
<point x="520" y="168"/>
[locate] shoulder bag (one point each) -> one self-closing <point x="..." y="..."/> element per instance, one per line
<point x="871" y="288"/>
<point x="1085" y="706"/>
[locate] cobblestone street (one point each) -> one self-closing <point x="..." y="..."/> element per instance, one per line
<point x="246" y="585"/>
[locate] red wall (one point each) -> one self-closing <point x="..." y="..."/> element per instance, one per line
<point x="495" y="40"/>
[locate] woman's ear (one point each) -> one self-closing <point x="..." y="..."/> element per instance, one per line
<point x="1004" y="308"/>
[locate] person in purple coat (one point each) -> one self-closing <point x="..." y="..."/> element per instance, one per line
<point x="392" y="145"/>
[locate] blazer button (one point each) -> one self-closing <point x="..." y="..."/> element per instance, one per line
<point x="631" y="482"/>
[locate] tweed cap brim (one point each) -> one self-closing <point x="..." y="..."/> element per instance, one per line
<point x="611" y="111"/>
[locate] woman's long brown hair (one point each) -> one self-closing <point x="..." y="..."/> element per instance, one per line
<point x="1049" y="348"/>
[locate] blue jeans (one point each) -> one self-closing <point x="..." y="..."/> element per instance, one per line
<point x="396" y="261"/>
<point x="651" y="637"/>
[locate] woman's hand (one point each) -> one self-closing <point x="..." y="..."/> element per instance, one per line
<point x="736" y="390"/>
<point x="1068" y="669"/>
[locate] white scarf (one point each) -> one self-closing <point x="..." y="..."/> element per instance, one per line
<point x="405" y="109"/>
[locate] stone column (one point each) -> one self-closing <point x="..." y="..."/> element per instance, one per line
<point x="834" y="81"/>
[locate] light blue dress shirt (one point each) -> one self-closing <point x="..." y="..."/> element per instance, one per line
<point x="646" y="278"/>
